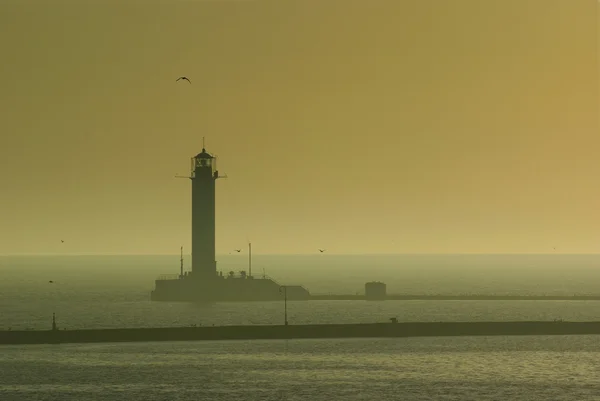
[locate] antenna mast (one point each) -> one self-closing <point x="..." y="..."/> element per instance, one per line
<point x="250" y="259"/>
<point x="181" y="267"/>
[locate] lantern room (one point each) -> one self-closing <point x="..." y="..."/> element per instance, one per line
<point x="204" y="162"/>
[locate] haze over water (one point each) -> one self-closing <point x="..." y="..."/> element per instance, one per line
<point x="112" y="291"/>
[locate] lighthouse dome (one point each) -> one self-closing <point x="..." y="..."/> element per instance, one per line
<point x="204" y="155"/>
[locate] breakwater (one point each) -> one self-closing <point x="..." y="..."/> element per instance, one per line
<point x="273" y="332"/>
<point x="465" y="297"/>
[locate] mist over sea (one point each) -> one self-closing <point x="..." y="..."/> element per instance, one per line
<point x="113" y="291"/>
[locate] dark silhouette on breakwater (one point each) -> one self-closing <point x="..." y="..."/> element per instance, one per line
<point x="324" y="331"/>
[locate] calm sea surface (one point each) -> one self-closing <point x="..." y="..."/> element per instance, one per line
<point x="114" y="291"/>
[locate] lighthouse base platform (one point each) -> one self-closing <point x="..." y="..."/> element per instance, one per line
<point x="224" y="289"/>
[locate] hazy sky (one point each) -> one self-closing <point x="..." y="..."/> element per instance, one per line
<point x="357" y="126"/>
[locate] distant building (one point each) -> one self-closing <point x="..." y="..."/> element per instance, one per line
<point x="375" y="290"/>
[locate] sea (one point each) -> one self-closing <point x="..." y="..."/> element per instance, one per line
<point x="113" y="291"/>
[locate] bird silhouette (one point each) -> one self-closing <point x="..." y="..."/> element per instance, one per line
<point x="321" y="250"/>
<point x="238" y="250"/>
<point x="62" y="241"/>
<point x="184" y="78"/>
<point x="51" y="282"/>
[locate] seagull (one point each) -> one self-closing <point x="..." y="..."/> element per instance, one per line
<point x="51" y="282"/>
<point x="238" y="250"/>
<point x="186" y="78"/>
<point x="321" y="250"/>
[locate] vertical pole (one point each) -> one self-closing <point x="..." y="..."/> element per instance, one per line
<point x="181" y="267"/>
<point x="249" y="259"/>
<point x="285" y="304"/>
<point x="284" y="288"/>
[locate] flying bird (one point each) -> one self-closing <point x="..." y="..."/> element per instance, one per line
<point x="51" y="282"/>
<point x="184" y="78"/>
<point x="321" y="250"/>
<point x="238" y="250"/>
<point x="62" y="241"/>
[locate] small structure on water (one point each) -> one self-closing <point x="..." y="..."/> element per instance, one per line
<point x="375" y="290"/>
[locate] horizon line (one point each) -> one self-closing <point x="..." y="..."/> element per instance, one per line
<point x="309" y="254"/>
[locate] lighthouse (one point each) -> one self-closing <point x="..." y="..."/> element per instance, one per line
<point x="203" y="283"/>
<point x="203" y="176"/>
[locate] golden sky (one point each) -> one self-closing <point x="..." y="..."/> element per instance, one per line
<point x="462" y="126"/>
